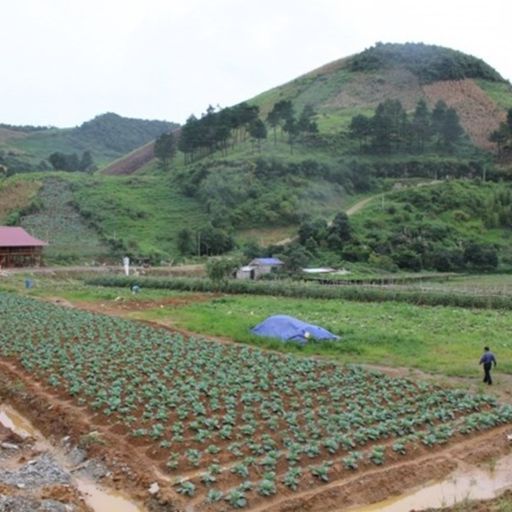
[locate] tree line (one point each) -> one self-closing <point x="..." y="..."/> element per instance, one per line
<point x="72" y="162"/>
<point x="222" y="129"/>
<point x="392" y="130"/>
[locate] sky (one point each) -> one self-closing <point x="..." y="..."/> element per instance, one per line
<point x="65" y="61"/>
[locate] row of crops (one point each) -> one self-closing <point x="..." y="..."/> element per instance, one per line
<point x="312" y="290"/>
<point x="234" y="425"/>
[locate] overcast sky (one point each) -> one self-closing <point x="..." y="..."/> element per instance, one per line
<point x="65" y="61"/>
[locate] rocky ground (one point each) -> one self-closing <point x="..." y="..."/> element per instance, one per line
<point x="33" y="480"/>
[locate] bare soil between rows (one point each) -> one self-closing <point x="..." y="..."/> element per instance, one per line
<point x="133" y="470"/>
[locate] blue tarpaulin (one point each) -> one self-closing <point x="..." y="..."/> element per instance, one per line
<point x="288" y="328"/>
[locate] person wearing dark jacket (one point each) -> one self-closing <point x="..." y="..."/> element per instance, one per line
<point x="487" y="360"/>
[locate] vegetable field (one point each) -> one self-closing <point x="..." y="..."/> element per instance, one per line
<point x="234" y="427"/>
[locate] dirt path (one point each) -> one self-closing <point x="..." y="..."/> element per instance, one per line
<point x="502" y="387"/>
<point x="360" y="205"/>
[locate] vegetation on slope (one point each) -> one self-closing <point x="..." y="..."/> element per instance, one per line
<point x="54" y="218"/>
<point x="106" y="137"/>
<point x="449" y="226"/>
<point x="299" y="150"/>
<point x="16" y="196"/>
<point x="428" y="62"/>
<point x="137" y="216"/>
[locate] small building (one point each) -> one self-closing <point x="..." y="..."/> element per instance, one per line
<point x="19" y="249"/>
<point x="246" y="272"/>
<point x="258" y="267"/>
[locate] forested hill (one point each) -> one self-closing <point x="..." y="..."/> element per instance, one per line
<point x="404" y="72"/>
<point x="105" y="138"/>
<point x="120" y="134"/>
<point x="427" y="62"/>
<point x="337" y="92"/>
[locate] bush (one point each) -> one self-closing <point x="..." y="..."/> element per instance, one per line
<point x="219" y="269"/>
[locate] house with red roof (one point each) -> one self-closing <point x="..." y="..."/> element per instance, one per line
<point x="19" y="249"/>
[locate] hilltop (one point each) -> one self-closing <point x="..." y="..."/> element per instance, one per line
<point x="409" y="73"/>
<point x="255" y="172"/>
<point x="107" y="137"/>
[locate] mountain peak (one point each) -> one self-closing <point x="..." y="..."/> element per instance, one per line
<point x="429" y="63"/>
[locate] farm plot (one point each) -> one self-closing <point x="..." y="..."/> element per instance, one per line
<point x="234" y="426"/>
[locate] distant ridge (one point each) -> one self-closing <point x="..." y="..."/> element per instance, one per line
<point x="107" y="137"/>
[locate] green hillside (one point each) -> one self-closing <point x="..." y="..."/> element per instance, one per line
<point x="106" y="137"/>
<point x="449" y="226"/>
<point x="53" y="218"/>
<point x="90" y="219"/>
<point x="139" y="216"/>
<point x="306" y="150"/>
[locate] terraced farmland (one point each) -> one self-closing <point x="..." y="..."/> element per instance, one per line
<point x="231" y="426"/>
<point x="59" y="223"/>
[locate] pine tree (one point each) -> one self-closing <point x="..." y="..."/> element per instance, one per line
<point x="165" y="149"/>
<point x="421" y="128"/>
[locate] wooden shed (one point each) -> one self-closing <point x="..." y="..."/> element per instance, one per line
<point x="19" y="249"/>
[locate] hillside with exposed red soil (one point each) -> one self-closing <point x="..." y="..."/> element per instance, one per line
<point x="479" y="114"/>
<point x="132" y="161"/>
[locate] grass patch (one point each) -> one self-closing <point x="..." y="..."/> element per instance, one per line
<point x="499" y="92"/>
<point x="16" y="194"/>
<point x="442" y="340"/>
<point x="434" y="339"/>
<point x="143" y="214"/>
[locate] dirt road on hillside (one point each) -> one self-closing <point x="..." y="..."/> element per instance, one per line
<point x="353" y="209"/>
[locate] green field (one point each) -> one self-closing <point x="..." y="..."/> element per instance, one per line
<point x="491" y="285"/>
<point x="434" y="339"/>
<point x="443" y="340"/>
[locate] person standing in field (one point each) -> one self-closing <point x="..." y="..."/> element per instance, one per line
<point x="487" y="360"/>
